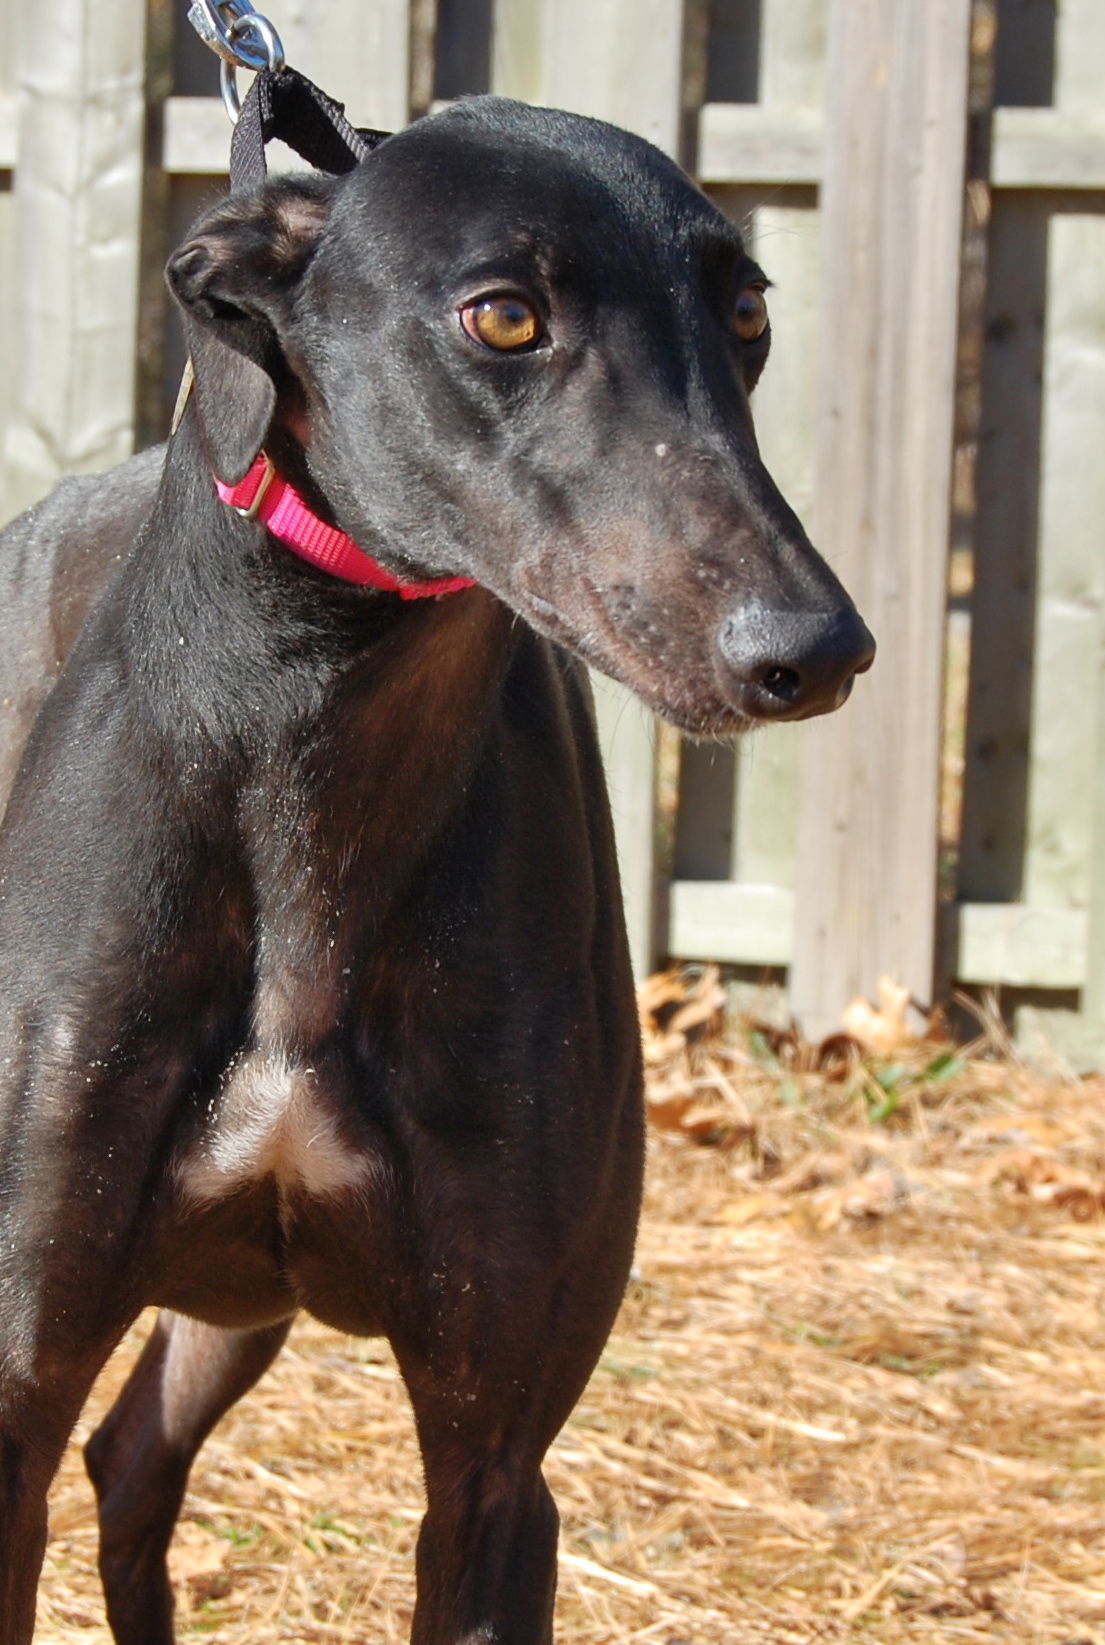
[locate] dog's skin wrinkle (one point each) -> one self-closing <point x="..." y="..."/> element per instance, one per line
<point x="314" y="989"/>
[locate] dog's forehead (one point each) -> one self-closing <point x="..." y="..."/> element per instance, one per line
<point x="532" y="176"/>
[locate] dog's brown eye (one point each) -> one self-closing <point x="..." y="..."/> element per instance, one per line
<point x="750" y="314"/>
<point x="505" y="323"/>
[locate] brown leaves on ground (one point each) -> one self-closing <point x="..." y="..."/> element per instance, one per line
<point x="873" y="1119"/>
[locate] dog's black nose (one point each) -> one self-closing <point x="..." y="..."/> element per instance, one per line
<point x="790" y="665"/>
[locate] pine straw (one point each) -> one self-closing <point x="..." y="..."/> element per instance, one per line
<point x="857" y="1390"/>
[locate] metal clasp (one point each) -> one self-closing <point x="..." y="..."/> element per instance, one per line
<point x="241" y="38"/>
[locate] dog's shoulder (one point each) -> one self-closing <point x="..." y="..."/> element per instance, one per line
<point x="55" y="562"/>
<point x="86" y="516"/>
<point x="59" y="556"/>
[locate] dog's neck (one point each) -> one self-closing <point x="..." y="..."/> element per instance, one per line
<point x="265" y="495"/>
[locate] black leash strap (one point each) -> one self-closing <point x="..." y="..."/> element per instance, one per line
<point x="283" y="103"/>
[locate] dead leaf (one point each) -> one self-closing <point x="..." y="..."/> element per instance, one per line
<point x="883" y="1027"/>
<point x="1081" y="1202"/>
<point x="705" y="1005"/>
<point x="667" y="1100"/>
<point x="1047" y="1180"/>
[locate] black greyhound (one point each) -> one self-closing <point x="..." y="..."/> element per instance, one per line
<point x="313" y="984"/>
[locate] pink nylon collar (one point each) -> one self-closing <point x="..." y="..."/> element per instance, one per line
<point x="264" y="495"/>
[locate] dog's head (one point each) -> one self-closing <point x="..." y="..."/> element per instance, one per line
<point x="519" y="345"/>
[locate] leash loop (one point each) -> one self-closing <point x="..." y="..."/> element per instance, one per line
<point x="241" y="38"/>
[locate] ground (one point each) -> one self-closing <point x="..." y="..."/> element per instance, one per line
<point x="857" y="1390"/>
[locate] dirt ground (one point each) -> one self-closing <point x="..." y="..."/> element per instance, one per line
<point x="857" y="1390"/>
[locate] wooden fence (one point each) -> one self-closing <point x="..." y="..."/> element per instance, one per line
<point x="845" y="135"/>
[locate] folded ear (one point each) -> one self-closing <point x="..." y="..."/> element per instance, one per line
<point x="235" y="279"/>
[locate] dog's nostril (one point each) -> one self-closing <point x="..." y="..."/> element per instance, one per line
<point x="783" y="683"/>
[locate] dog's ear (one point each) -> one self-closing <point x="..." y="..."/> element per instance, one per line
<point x="235" y="278"/>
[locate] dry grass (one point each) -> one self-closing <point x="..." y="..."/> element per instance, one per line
<point x="857" y="1390"/>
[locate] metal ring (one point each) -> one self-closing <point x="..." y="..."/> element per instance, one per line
<point x="228" y="85"/>
<point x="268" y="54"/>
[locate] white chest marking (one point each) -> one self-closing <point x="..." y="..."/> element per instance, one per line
<point x="271" y="1120"/>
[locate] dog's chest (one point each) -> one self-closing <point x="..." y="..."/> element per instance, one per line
<point x="273" y="1119"/>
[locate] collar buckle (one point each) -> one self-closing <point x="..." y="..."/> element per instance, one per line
<point x="250" y="510"/>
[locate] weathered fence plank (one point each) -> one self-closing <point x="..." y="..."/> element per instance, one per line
<point x="746" y="925"/>
<point x="78" y="204"/>
<point x="1052" y="148"/>
<point x="359" y="53"/>
<point x="786" y="239"/>
<point x="627" y="737"/>
<point x="1023" y="947"/>
<point x="1070" y="584"/>
<point x="1066" y="805"/>
<point x="516" y="50"/>
<point x="7" y="220"/>
<point x="620" y="61"/>
<point x="1032" y="148"/>
<point x="750" y="813"/>
<point x="891" y="218"/>
<point x="742" y="142"/>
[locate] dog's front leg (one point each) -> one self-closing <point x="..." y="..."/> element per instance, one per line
<point x="78" y="1133"/>
<point x="507" y="1329"/>
<point x="37" y="1413"/>
<point x="188" y="1375"/>
<point x="487" y="1548"/>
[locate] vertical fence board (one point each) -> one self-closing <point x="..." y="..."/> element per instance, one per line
<point x="627" y="737"/>
<point x="1073" y="503"/>
<point x="8" y="37"/>
<point x="786" y="241"/>
<point x="1071" y="573"/>
<point x="516" y="50"/>
<point x="620" y="61"/>
<point x="78" y="214"/>
<point x="891" y="219"/>
<point x="782" y="232"/>
<point x="359" y="53"/>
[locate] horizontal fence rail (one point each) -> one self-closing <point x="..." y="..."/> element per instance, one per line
<point x="948" y="825"/>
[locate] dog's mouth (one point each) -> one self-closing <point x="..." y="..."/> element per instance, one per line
<point x="683" y="696"/>
<point x="758" y="667"/>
